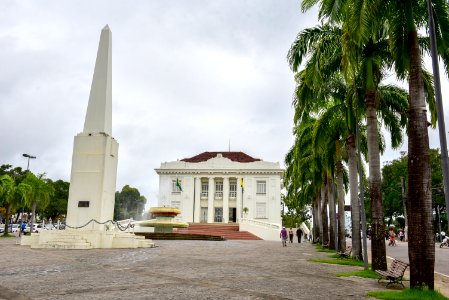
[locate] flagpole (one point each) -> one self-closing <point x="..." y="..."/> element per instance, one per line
<point x="241" y="209"/>
<point x="194" y="185"/>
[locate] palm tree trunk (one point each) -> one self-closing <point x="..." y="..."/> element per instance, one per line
<point x="332" y="223"/>
<point x="315" y="223"/>
<point x="318" y="215"/>
<point x="8" y="211"/>
<point x="378" y="251"/>
<point x="355" y="203"/>
<point x="324" y="217"/>
<point x="341" y="208"/>
<point x="33" y="216"/>
<point x="419" y="201"/>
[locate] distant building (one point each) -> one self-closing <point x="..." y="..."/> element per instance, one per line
<point x="222" y="187"/>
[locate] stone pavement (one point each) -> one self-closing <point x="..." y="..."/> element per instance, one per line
<point x="177" y="270"/>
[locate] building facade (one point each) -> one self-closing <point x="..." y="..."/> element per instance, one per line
<point x="221" y="187"/>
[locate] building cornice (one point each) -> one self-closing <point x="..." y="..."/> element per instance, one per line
<point x="225" y="172"/>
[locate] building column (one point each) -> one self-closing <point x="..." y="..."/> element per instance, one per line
<point x="226" y="200"/>
<point x="239" y="200"/>
<point x="210" y="201"/>
<point x="197" y="206"/>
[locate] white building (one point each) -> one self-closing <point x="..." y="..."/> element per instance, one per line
<point x="222" y="187"/>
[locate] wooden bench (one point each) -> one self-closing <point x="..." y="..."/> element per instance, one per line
<point x="346" y="253"/>
<point x="395" y="274"/>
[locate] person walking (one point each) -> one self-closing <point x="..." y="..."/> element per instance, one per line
<point x="283" y="236"/>
<point x="299" y="234"/>
<point x="392" y="235"/>
<point x="290" y="235"/>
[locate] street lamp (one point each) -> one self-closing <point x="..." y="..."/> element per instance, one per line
<point x="28" y="168"/>
<point x="29" y="157"/>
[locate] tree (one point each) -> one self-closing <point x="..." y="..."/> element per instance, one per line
<point x="11" y="194"/>
<point x="404" y="19"/>
<point x="128" y="204"/>
<point x="40" y="194"/>
<point x="57" y="206"/>
<point x="391" y="185"/>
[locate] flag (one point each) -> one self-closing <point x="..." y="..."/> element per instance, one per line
<point x="178" y="184"/>
<point x="241" y="184"/>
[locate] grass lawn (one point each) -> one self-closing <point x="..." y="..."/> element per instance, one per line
<point x="407" y="294"/>
<point x="339" y="261"/>
<point x="320" y="248"/>
<point x="363" y="273"/>
<point x="7" y="236"/>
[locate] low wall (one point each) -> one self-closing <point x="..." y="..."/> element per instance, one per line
<point x="264" y="230"/>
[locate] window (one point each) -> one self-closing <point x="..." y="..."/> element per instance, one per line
<point x="204" y="189"/>
<point x="175" y="188"/>
<point x="218" y="189"/>
<point x="233" y="189"/>
<point x="261" y="210"/>
<point x="261" y="187"/>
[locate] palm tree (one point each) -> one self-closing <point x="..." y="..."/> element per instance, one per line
<point x="302" y="176"/>
<point x="40" y="194"/>
<point x="329" y="130"/>
<point x="11" y="194"/>
<point x="404" y="19"/>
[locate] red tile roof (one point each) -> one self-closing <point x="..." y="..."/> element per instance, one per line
<point x="234" y="156"/>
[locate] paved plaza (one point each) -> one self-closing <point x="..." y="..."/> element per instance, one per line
<point x="177" y="270"/>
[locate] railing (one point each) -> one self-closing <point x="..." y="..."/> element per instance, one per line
<point x="261" y="223"/>
<point x="218" y="194"/>
<point x="233" y="194"/>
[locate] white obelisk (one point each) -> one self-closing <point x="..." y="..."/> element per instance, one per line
<point x="94" y="161"/>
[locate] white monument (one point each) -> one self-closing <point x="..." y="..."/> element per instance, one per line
<point x="94" y="173"/>
<point x="94" y="161"/>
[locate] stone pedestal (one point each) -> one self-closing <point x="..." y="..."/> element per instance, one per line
<point x="84" y="239"/>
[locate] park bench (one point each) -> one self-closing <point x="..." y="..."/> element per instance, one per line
<point x="395" y="274"/>
<point x="345" y="253"/>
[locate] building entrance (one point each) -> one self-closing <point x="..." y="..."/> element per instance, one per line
<point x="232" y="214"/>
<point x="203" y="215"/>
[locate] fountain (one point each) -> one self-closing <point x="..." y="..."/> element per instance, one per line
<point x="164" y="220"/>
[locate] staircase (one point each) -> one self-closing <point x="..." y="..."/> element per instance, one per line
<point x="228" y="231"/>
<point x="64" y="241"/>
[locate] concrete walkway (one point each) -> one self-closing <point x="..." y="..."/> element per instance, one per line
<point x="177" y="270"/>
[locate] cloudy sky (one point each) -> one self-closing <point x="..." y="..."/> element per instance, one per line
<point x="188" y="76"/>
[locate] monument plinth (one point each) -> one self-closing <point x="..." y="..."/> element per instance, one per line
<point x="94" y="173"/>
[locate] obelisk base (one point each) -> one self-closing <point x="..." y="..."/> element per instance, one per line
<point x="85" y="239"/>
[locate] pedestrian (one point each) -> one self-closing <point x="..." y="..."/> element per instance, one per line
<point x="442" y="235"/>
<point x="401" y="236"/>
<point x="290" y="235"/>
<point x="392" y="235"/>
<point x="299" y="234"/>
<point x="283" y="236"/>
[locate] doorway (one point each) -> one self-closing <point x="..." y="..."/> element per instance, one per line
<point x="203" y="215"/>
<point x="232" y="214"/>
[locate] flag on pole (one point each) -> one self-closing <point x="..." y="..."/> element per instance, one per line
<point x="178" y="184"/>
<point x="242" y="185"/>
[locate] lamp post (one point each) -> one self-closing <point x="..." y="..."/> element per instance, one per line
<point x="439" y="102"/>
<point x="28" y="168"/>
<point x="29" y="157"/>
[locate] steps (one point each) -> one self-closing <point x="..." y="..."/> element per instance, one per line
<point x="64" y="241"/>
<point x="228" y="231"/>
<point x="179" y="236"/>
